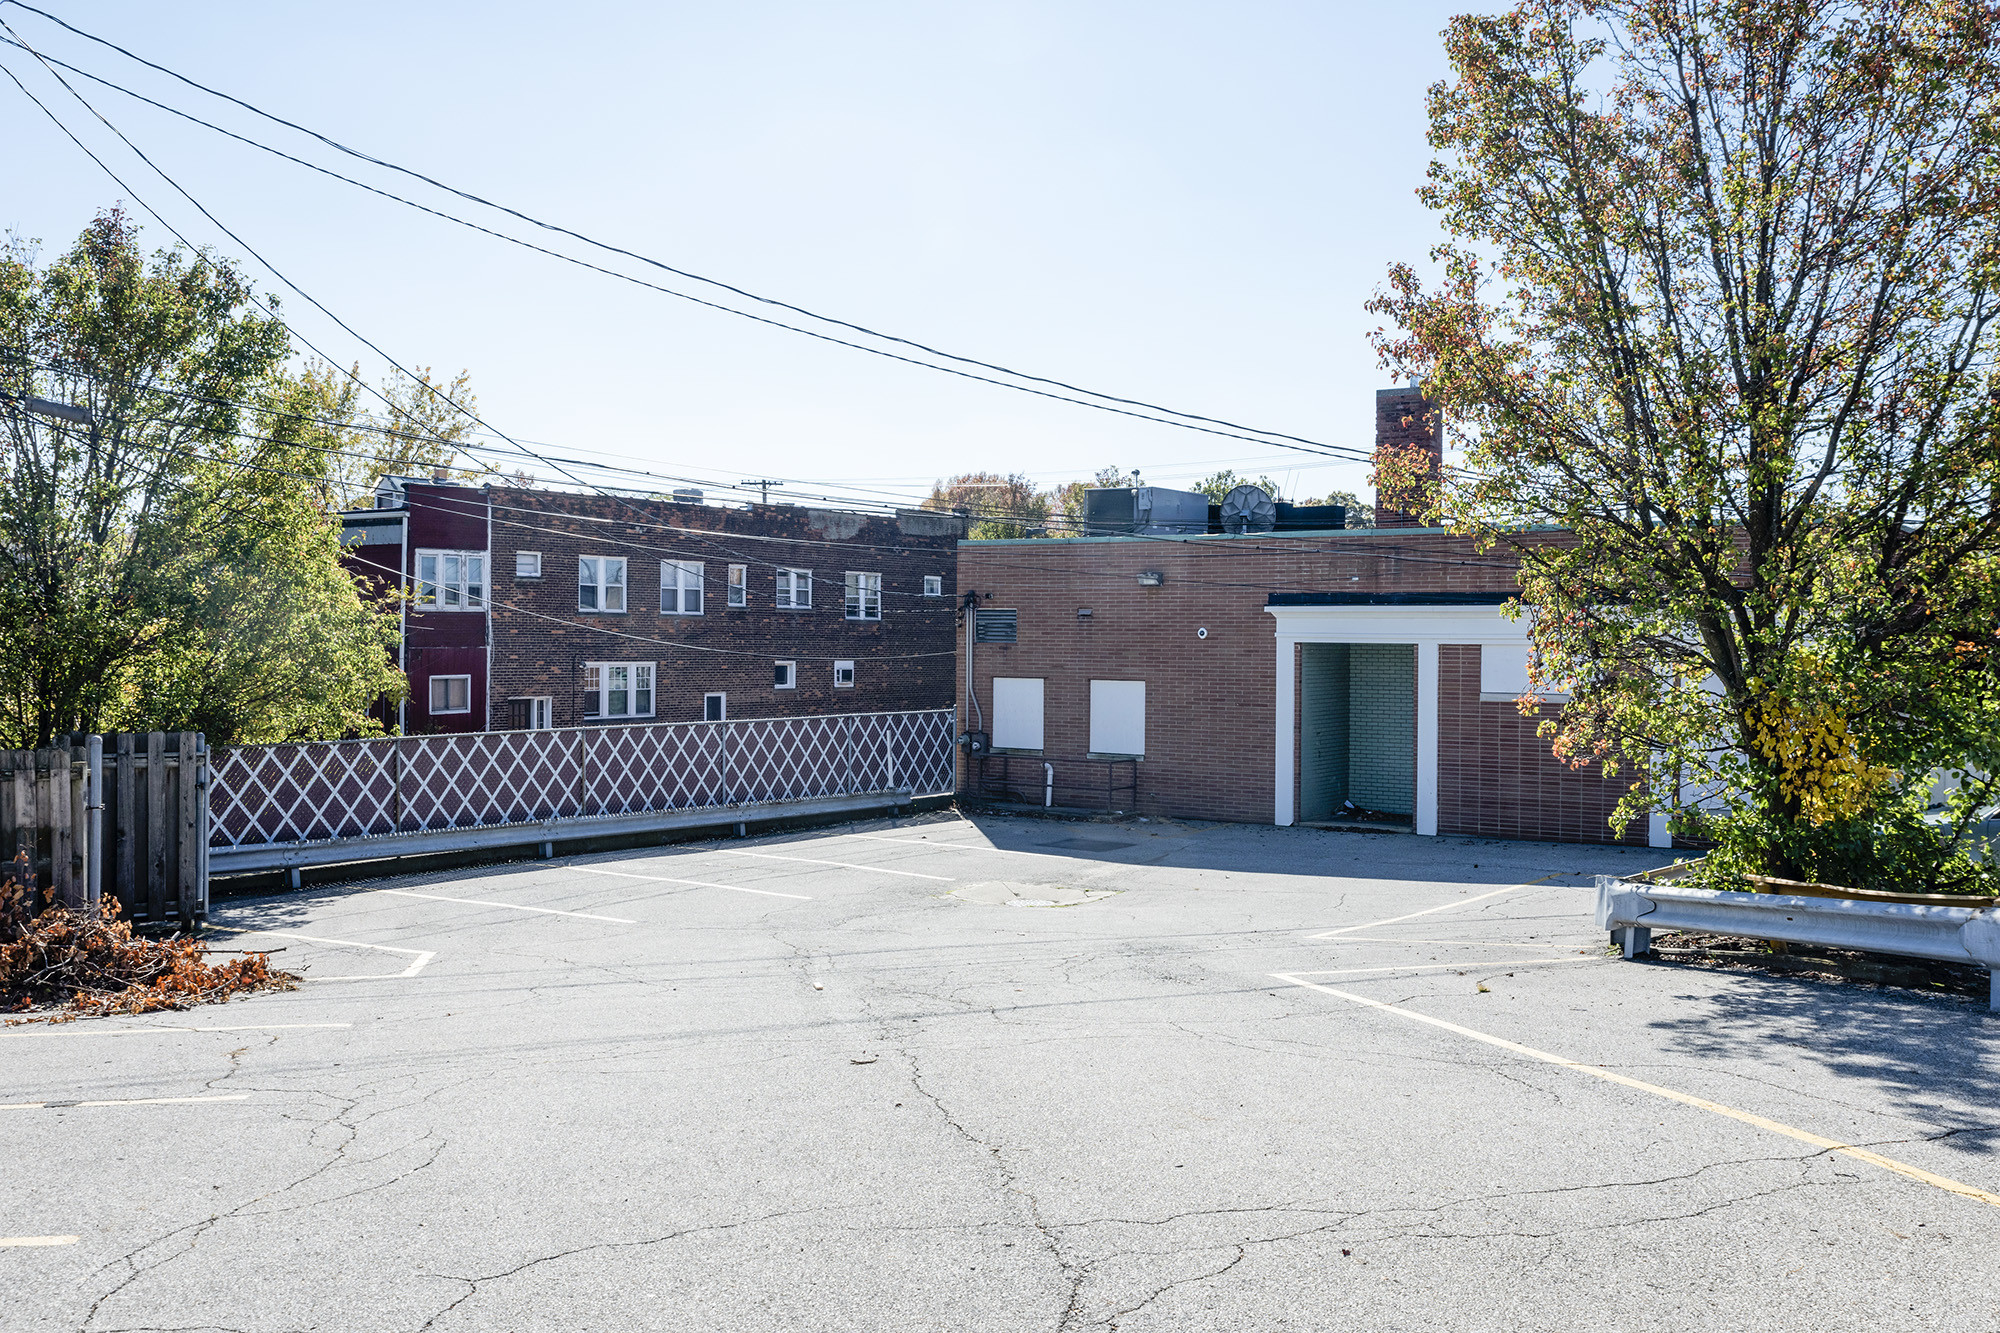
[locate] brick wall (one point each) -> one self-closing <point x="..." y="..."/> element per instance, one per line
<point x="541" y="638"/>
<point x="1497" y="778"/>
<point x="1404" y="418"/>
<point x="1210" y="706"/>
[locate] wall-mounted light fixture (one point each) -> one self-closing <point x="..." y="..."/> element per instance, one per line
<point x="1152" y="578"/>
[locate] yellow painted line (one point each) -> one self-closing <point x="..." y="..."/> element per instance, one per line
<point x="126" y="1101"/>
<point x="39" y="1240"/>
<point x="1874" y="1159"/>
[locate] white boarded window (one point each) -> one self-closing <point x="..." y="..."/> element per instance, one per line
<point x="1017" y="712"/>
<point x="1503" y="674"/>
<point x="527" y="564"/>
<point x="1118" y="717"/>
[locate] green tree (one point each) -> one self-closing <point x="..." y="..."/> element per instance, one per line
<point x="160" y="567"/>
<point x="1219" y="484"/>
<point x="1360" y="514"/>
<point x="1066" y="502"/>
<point x="1000" y="506"/>
<point x="1718" y="301"/>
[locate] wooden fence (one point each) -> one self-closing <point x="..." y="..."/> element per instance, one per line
<point x="124" y="814"/>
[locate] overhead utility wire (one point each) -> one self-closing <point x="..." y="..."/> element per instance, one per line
<point x="1234" y="430"/>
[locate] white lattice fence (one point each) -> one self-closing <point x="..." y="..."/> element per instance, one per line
<point x="325" y="791"/>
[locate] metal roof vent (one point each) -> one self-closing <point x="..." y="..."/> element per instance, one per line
<point x="1249" y="509"/>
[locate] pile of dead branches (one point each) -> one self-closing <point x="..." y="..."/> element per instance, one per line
<point x="86" y="962"/>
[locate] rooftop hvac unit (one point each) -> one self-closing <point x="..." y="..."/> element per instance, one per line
<point x="1148" y="511"/>
<point x="1249" y="508"/>
<point x="687" y="495"/>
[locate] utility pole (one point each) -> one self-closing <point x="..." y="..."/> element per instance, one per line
<point x="763" y="484"/>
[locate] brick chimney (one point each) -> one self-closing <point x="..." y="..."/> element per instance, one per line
<point x="1405" y="419"/>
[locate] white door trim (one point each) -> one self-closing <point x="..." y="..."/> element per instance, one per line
<point x="1427" y="627"/>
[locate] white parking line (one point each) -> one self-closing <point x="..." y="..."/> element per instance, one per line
<point x="422" y="956"/>
<point x="954" y="846"/>
<point x="1438" y="967"/>
<point x="1441" y="907"/>
<point x="71" y="1030"/>
<point x="38" y="1240"/>
<point x="1915" y="1173"/>
<point x="696" y="883"/>
<point x="516" y="907"/>
<point x="813" y="861"/>
<point x="127" y="1101"/>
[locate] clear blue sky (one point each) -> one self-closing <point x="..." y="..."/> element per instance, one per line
<point x="1175" y="202"/>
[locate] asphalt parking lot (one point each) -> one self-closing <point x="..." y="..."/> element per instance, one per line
<point x="939" y="1074"/>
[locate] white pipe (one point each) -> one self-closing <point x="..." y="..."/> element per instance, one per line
<point x="1048" y="785"/>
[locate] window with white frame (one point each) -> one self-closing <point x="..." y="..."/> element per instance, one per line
<point x="527" y="564"/>
<point x="933" y="585"/>
<point x="715" y="708"/>
<point x="680" y="587"/>
<point x="532" y="713"/>
<point x="618" y="689"/>
<point x="795" y="589"/>
<point x="600" y="583"/>
<point x="451" y="694"/>
<point x="843" y="675"/>
<point x="451" y="580"/>
<point x="784" y="675"/>
<point x="739" y="585"/>
<point x="864" y="596"/>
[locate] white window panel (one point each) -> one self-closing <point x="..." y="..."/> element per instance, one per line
<point x="843" y="675"/>
<point x="1503" y="674"/>
<point x="784" y="675"/>
<point x="1118" y="717"/>
<point x="1017" y="712"/>
<point x="933" y="585"/>
<point x="600" y="583"/>
<point x="680" y="587"/>
<point x="618" y="689"/>
<point x="715" y="708"/>
<point x="451" y="580"/>
<point x="451" y="694"/>
<point x="527" y="564"/>
<point x="795" y="589"/>
<point x="864" y="596"/>
<point x="739" y="585"/>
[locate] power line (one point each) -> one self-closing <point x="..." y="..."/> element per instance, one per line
<point x="1232" y="429"/>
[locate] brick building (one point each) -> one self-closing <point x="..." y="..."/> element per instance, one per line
<point x="544" y="608"/>
<point x="1362" y="676"/>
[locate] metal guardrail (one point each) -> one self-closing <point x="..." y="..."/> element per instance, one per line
<point x="321" y="801"/>
<point x="1969" y="935"/>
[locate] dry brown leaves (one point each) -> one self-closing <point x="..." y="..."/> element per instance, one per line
<point x="87" y="963"/>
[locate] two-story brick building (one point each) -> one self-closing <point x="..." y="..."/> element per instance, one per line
<point x="534" y="608"/>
